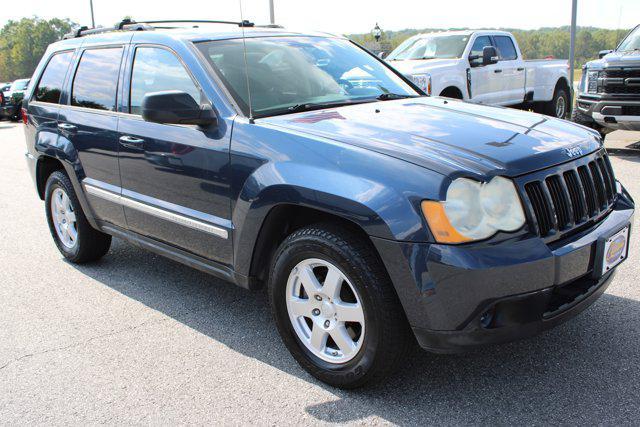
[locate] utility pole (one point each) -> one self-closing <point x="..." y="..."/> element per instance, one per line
<point x="272" y="15"/>
<point x="572" y="44"/>
<point x="93" y="21"/>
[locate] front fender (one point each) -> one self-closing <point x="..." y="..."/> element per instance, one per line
<point x="376" y="208"/>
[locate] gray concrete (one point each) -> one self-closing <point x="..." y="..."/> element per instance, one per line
<point x="136" y="338"/>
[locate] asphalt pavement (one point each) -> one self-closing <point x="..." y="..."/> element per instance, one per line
<point x="138" y="339"/>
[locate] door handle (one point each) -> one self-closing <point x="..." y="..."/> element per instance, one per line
<point x="520" y="68"/>
<point x="131" y="142"/>
<point x="67" y="127"/>
<point x="497" y="71"/>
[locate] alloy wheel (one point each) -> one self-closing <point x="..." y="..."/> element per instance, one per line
<point x="64" y="218"/>
<point x="325" y="311"/>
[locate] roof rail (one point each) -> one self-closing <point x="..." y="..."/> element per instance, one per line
<point x="129" y="25"/>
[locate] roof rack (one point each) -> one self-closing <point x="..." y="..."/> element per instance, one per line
<point x="130" y="25"/>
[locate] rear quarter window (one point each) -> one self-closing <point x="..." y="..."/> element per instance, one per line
<point x="50" y="85"/>
<point x="96" y="79"/>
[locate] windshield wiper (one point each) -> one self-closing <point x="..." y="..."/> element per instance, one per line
<point x="389" y="96"/>
<point x="309" y="106"/>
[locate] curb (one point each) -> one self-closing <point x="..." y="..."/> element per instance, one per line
<point x="623" y="151"/>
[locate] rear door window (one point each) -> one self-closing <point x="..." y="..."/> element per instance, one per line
<point x="506" y="49"/>
<point x="50" y="86"/>
<point x="96" y="79"/>
<point x="156" y="70"/>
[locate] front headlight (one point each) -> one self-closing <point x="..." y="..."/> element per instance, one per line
<point x="423" y="81"/>
<point x="591" y="83"/>
<point x="474" y="210"/>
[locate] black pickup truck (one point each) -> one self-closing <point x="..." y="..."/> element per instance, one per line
<point x="11" y="104"/>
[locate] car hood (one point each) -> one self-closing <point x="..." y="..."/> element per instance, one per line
<point x="617" y="59"/>
<point x="418" y="66"/>
<point x="450" y="137"/>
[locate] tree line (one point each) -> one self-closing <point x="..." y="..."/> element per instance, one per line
<point x="535" y="44"/>
<point x="23" y="42"/>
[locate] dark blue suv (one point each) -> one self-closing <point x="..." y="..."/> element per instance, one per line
<point x="374" y="215"/>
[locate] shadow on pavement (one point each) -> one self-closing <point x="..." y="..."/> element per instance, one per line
<point x="584" y="371"/>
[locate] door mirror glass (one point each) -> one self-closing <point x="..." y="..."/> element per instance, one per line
<point x="489" y="55"/>
<point x="176" y="107"/>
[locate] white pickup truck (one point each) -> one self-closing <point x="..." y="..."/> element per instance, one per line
<point x="484" y="67"/>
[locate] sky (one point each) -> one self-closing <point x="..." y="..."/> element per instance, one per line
<point x="345" y="16"/>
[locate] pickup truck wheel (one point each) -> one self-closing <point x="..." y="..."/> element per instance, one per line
<point x="335" y="307"/>
<point x="585" y="120"/>
<point x="559" y="106"/>
<point x="72" y="233"/>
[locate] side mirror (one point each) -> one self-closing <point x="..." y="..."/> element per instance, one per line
<point x="381" y="55"/>
<point x="489" y="55"/>
<point x="604" y="53"/>
<point x="176" y="107"/>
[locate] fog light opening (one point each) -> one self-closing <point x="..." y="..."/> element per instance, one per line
<point x="487" y="318"/>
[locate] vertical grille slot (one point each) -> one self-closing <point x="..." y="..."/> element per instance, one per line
<point x="599" y="184"/>
<point x="607" y="179"/>
<point x="559" y="200"/>
<point x="541" y="208"/>
<point x="576" y="195"/>
<point x="589" y="191"/>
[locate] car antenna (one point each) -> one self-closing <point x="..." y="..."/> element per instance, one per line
<point x="246" y="66"/>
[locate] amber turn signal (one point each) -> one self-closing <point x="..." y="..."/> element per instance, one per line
<point x="439" y="224"/>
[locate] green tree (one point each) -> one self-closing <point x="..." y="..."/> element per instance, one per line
<point x="23" y="42"/>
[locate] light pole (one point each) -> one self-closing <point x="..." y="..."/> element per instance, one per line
<point x="572" y="43"/>
<point x="377" y="32"/>
<point x="93" y="21"/>
<point x="272" y="15"/>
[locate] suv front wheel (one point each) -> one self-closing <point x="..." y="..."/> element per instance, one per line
<point x="335" y="307"/>
<point x="72" y="233"/>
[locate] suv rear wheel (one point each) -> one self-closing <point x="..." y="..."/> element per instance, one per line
<point x="72" y="233"/>
<point x="335" y="307"/>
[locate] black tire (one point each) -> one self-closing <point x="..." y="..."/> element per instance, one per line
<point x="387" y="338"/>
<point x="585" y="120"/>
<point x="550" y="108"/>
<point x="91" y="244"/>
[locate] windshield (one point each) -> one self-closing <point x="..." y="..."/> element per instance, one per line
<point x="632" y="41"/>
<point x="288" y="74"/>
<point x="430" y="47"/>
<point x="19" y="85"/>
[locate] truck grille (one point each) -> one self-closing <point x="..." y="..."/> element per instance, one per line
<point x="614" y="81"/>
<point x="567" y="198"/>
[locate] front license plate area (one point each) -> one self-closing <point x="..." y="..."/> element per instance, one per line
<point x="615" y="250"/>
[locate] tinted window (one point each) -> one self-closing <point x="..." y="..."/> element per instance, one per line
<point x="96" y="80"/>
<point x="480" y="43"/>
<point x="156" y="70"/>
<point x="506" y="49"/>
<point x="50" y="85"/>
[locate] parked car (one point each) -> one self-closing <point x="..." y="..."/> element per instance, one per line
<point x="609" y="94"/>
<point x="374" y="215"/>
<point x="485" y="67"/>
<point x="12" y="100"/>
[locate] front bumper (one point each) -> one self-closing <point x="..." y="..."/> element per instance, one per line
<point x="611" y="112"/>
<point x="460" y="297"/>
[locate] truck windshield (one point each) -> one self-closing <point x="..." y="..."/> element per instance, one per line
<point x="290" y="74"/>
<point x="19" y="85"/>
<point x="632" y="41"/>
<point x="430" y="47"/>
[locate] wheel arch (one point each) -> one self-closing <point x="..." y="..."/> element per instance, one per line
<point x="45" y="166"/>
<point x="452" y="91"/>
